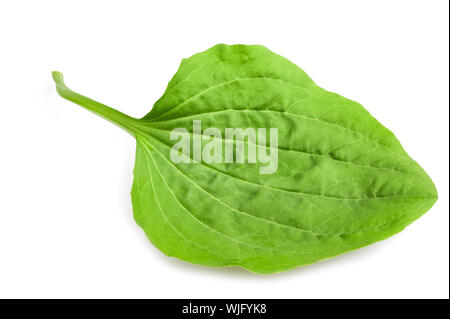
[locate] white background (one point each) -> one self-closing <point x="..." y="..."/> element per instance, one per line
<point x="66" y="225"/>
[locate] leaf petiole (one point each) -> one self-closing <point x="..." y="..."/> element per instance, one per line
<point x="128" y="123"/>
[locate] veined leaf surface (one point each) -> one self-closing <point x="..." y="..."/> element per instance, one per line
<point x="343" y="180"/>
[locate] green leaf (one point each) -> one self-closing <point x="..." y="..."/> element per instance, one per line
<point x="343" y="181"/>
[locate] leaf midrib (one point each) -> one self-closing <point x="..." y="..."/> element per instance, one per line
<point x="289" y="190"/>
<point x="393" y="170"/>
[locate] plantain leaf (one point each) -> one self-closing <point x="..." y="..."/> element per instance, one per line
<point x="340" y="180"/>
